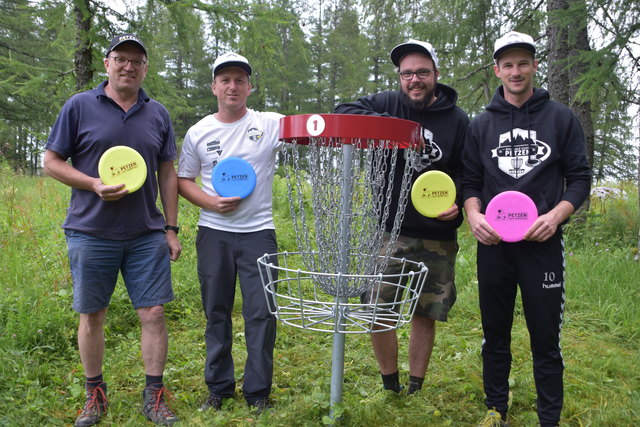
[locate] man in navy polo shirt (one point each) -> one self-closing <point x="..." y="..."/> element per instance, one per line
<point x="110" y="230"/>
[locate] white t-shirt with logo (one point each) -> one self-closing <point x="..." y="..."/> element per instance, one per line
<point x="253" y="138"/>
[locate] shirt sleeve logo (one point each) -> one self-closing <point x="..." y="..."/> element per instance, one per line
<point x="518" y="156"/>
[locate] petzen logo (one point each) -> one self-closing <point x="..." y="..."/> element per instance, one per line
<point x="504" y="215"/>
<point x="519" y="152"/>
<point x="433" y="194"/>
<point x="234" y="178"/>
<point x="119" y="170"/>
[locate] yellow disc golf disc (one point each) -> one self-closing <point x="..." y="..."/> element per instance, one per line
<point x="433" y="193"/>
<point x="123" y="165"/>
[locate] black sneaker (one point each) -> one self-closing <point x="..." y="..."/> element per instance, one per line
<point x="212" y="402"/>
<point x="155" y="408"/>
<point x="395" y="390"/>
<point x="414" y="388"/>
<point x="94" y="408"/>
<point x="261" y="405"/>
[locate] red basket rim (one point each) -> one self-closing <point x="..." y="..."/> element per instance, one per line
<point x="350" y="129"/>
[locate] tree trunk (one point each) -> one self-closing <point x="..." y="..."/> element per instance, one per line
<point x="565" y="42"/>
<point x="82" y="56"/>
<point x="637" y="257"/>
<point x="558" y="48"/>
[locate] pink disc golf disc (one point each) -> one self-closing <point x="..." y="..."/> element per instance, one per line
<point x="511" y="214"/>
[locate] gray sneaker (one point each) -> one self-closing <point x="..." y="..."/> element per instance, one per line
<point x="94" y="408"/>
<point x="155" y="408"/>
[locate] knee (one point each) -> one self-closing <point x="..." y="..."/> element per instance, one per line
<point x="92" y="323"/>
<point x="151" y="315"/>
<point x="423" y="322"/>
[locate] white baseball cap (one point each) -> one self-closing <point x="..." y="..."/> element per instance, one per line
<point x="231" y="59"/>
<point x="413" y="46"/>
<point x="512" y="40"/>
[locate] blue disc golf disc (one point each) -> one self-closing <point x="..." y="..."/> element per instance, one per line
<point x="233" y="177"/>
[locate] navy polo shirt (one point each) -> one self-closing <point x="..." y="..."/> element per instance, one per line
<point x="89" y="124"/>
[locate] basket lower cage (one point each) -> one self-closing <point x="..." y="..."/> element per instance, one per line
<point x="340" y="303"/>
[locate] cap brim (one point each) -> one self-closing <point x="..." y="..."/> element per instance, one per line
<point x="525" y="46"/>
<point x="238" y="64"/>
<point x="399" y="51"/>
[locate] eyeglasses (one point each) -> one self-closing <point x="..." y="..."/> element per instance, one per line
<point x="422" y="74"/>
<point x="122" y="62"/>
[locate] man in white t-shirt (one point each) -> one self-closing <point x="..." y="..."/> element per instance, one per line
<point x="233" y="232"/>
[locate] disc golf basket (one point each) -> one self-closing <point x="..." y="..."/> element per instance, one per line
<point x="340" y="173"/>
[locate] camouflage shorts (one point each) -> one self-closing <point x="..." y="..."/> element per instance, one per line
<point x="439" y="291"/>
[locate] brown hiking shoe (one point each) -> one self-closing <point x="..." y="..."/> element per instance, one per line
<point x="94" y="408"/>
<point x="155" y="408"/>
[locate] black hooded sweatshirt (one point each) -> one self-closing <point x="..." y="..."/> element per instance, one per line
<point x="537" y="149"/>
<point x="443" y="127"/>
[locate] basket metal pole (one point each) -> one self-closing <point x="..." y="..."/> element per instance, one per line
<point x="337" y="356"/>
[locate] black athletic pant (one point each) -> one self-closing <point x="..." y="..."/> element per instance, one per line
<point x="221" y="256"/>
<point x="538" y="268"/>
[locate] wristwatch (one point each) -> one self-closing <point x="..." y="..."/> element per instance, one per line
<point x="172" y="227"/>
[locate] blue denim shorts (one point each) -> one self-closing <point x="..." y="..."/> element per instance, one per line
<point x="95" y="264"/>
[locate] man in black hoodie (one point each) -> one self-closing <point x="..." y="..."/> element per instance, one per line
<point x="430" y="240"/>
<point x="525" y="142"/>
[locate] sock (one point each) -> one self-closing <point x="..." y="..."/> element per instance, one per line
<point x="154" y="381"/>
<point x="91" y="382"/>
<point x="415" y="384"/>
<point x="391" y="382"/>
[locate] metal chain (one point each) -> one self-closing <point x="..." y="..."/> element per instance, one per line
<point x="318" y="169"/>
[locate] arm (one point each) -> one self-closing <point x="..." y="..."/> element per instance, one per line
<point x="57" y="167"/>
<point x="377" y="104"/>
<point x="193" y="193"/>
<point x="168" y="185"/>
<point x="456" y="168"/>
<point x="577" y="176"/>
<point x="575" y="166"/>
<point x="479" y="225"/>
<point x="472" y="183"/>
<point x="367" y="106"/>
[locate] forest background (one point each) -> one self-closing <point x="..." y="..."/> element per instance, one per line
<point x="308" y="56"/>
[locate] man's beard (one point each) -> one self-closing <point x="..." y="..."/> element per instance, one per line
<point x="422" y="103"/>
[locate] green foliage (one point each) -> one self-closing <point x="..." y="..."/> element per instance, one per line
<point x="275" y="45"/>
<point x="41" y="380"/>
<point x="345" y="55"/>
<point x="35" y="74"/>
<point x="610" y="222"/>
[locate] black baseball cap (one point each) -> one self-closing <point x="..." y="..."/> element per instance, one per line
<point x="126" y="38"/>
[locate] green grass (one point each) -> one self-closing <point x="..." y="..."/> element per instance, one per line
<point x="41" y="379"/>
